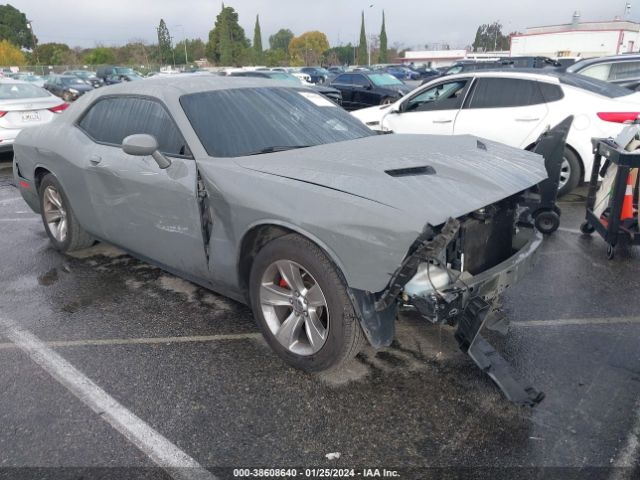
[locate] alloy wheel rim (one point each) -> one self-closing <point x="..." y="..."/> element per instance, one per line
<point x="294" y="307"/>
<point x="565" y="173"/>
<point x="55" y="214"/>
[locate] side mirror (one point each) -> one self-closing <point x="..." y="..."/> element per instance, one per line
<point x="368" y="87"/>
<point x="143" y="145"/>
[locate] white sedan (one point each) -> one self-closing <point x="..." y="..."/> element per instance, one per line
<point x="24" y="105"/>
<point x="513" y="107"/>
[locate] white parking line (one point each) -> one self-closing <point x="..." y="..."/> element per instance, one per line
<point x="161" y="451"/>
<point x="20" y="219"/>
<point x="143" y="340"/>
<point x="576" y="321"/>
<point x="630" y="453"/>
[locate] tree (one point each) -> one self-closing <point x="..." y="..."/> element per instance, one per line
<point x="14" y="27"/>
<point x="100" y="56"/>
<point x="343" y="55"/>
<point x="55" y="54"/>
<point x="489" y="37"/>
<point x="307" y="49"/>
<point x="281" y="39"/>
<point x="195" y="50"/>
<point x="227" y="44"/>
<point x="164" y="43"/>
<point x="275" y="57"/>
<point x="257" y="43"/>
<point x="383" y="56"/>
<point x="10" y="55"/>
<point x="362" y="46"/>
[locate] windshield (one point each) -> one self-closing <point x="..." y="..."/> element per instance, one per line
<point x="83" y="74"/>
<point x="384" y="80"/>
<point x="238" y="122"/>
<point x="594" y="85"/>
<point x="124" y="71"/>
<point x="10" y="91"/>
<point x="284" y="76"/>
<point x="73" y="81"/>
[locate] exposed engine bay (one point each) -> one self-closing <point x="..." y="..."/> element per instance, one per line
<point x="454" y="275"/>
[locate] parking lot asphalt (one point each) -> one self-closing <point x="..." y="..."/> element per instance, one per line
<point x="189" y="364"/>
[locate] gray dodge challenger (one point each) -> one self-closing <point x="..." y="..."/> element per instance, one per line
<point x="276" y="197"/>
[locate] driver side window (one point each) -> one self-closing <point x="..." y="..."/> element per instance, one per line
<point x="444" y="96"/>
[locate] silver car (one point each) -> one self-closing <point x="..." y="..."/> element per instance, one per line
<point x="274" y="196"/>
<point x="24" y="105"/>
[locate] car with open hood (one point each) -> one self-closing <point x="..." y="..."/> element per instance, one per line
<point x="276" y="197"/>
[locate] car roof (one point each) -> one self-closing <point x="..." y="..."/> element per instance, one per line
<point x="550" y="75"/>
<point x="594" y="61"/>
<point x="188" y="83"/>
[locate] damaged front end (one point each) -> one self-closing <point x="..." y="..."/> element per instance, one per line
<point x="454" y="275"/>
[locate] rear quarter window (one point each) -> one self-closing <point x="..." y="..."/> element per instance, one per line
<point x="551" y="92"/>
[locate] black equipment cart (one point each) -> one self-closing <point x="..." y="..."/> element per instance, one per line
<point x="542" y="204"/>
<point x="609" y="225"/>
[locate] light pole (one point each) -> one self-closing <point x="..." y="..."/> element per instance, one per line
<point x="33" y="41"/>
<point x="369" y="43"/>
<point x="184" y="39"/>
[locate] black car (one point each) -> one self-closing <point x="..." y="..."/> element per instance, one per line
<point x="87" y="76"/>
<point x="67" y="87"/>
<point x="111" y="75"/>
<point x="623" y="70"/>
<point x="317" y="74"/>
<point x="366" y="89"/>
<point x="332" y="94"/>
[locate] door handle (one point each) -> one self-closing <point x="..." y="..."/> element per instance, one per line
<point x="442" y="121"/>
<point x="95" y="159"/>
<point x="527" y="119"/>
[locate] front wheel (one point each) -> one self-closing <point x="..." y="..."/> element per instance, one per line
<point x="64" y="231"/>
<point x="302" y="307"/>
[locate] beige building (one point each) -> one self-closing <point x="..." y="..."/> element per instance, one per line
<point x="578" y="39"/>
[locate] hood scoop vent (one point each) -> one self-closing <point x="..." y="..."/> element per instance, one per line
<point x="411" y="172"/>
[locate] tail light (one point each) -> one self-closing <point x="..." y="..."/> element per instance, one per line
<point x="618" y="117"/>
<point x="2" y="114"/>
<point x="59" y="108"/>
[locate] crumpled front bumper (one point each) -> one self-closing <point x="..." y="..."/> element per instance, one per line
<point x="468" y="303"/>
<point x="448" y="304"/>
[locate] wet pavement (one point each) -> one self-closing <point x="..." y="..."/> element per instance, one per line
<point x="190" y="364"/>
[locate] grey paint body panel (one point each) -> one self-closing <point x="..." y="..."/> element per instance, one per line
<point x="338" y="195"/>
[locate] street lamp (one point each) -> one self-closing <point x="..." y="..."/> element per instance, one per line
<point x="184" y="39"/>
<point x="369" y="45"/>
<point x="33" y="42"/>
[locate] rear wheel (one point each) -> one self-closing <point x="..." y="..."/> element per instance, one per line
<point x="301" y="305"/>
<point x="570" y="172"/>
<point x="60" y="223"/>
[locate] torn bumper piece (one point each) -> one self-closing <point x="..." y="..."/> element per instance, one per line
<point x="468" y="303"/>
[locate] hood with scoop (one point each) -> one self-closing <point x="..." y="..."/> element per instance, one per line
<point x="429" y="177"/>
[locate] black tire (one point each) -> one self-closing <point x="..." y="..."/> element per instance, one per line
<point x="547" y="221"/>
<point x="76" y="237"/>
<point x="611" y="252"/>
<point x="345" y="337"/>
<point x="576" y="172"/>
<point x="586" y="228"/>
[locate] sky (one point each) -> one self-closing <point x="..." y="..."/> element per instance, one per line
<point x="411" y="23"/>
